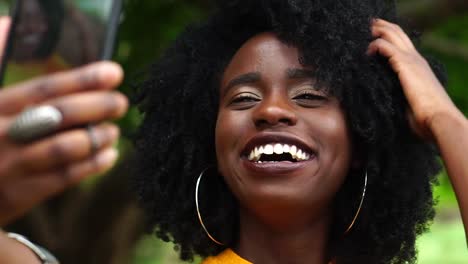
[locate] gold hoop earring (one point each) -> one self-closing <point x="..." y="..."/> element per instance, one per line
<point x="360" y="206"/>
<point x="198" y="209"/>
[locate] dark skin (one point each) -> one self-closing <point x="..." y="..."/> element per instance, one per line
<point x="267" y="236"/>
<point x="285" y="206"/>
<point x="51" y="165"/>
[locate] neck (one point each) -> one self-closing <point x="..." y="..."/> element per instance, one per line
<point x="295" y="241"/>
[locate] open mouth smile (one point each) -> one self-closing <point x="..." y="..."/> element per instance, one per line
<point x="277" y="153"/>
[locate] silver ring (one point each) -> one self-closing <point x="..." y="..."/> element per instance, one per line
<point x="93" y="139"/>
<point x="34" y="123"/>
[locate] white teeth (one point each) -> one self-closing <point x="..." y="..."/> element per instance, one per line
<point x="293" y="150"/>
<point x="299" y="154"/>
<point x="268" y="149"/>
<point x="252" y="155"/>
<point x="277" y="148"/>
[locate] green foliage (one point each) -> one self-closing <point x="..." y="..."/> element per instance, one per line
<point x="452" y="31"/>
<point x="147" y="29"/>
<point x="444" y="244"/>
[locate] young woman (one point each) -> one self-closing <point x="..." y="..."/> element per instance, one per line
<point x="296" y="132"/>
<point x="291" y="132"/>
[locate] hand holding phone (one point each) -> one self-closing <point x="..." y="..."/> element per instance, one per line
<point x="51" y="164"/>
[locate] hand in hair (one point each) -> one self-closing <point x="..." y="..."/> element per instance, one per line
<point x="425" y="94"/>
<point x="432" y="113"/>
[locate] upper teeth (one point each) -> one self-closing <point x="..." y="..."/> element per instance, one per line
<point x="278" y="148"/>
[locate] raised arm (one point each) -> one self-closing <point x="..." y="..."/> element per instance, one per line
<point x="450" y="130"/>
<point x="433" y="115"/>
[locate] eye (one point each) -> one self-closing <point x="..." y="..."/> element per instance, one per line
<point x="244" y="101"/>
<point x="245" y="98"/>
<point x="309" y="98"/>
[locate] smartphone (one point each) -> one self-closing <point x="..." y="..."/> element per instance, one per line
<point x="48" y="36"/>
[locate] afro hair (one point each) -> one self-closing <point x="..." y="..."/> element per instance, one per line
<point x="179" y="100"/>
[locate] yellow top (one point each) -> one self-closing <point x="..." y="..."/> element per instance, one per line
<point x="226" y="257"/>
<point x="230" y="257"/>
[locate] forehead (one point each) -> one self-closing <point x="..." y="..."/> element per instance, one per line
<point x="263" y="52"/>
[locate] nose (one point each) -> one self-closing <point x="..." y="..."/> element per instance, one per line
<point x="273" y="111"/>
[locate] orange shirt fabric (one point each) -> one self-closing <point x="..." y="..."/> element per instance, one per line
<point x="230" y="257"/>
<point x="226" y="257"/>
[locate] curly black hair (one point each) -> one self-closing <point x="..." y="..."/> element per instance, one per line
<point x="179" y="100"/>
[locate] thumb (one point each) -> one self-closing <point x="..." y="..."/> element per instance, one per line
<point x="5" y="22"/>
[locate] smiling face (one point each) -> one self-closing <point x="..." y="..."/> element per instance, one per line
<point x="281" y="143"/>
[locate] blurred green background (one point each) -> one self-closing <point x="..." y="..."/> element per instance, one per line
<point x="147" y="29"/>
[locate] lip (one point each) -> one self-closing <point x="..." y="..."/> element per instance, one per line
<point x="276" y="168"/>
<point x="269" y="138"/>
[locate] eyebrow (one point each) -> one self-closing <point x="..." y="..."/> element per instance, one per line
<point x="246" y="78"/>
<point x="299" y="73"/>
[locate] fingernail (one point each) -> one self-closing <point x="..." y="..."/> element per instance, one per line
<point x="108" y="157"/>
<point x="4" y="20"/>
<point x="112" y="71"/>
<point x="114" y="132"/>
<point x="121" y="103"/>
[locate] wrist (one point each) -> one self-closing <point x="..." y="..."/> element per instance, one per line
<point x="449" y="119"/>
<point x="14" y="252"/>
<point x="41" y="253"/>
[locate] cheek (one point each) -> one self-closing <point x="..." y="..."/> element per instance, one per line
<point x="334" y="140"/>
<point x="336" y="130"/>
<point x="339" y="141"/>
<point x="229" y="130"/>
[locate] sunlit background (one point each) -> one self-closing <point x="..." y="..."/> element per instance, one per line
<point x="99" y="221"/>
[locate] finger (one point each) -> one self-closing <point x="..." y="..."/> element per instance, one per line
<point x="96" y="76"/>
<point x="91" y="107"/>
<point x="80" y="109"/>
<point x="64" y="148"/>
<point x="29" y="191"/>
<point x="58" y="180"/>
<point x="4" y="27"/>
<point x="390" y="36"/>
<point x="393" y="33"/>
<point x="382" y="47"/>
